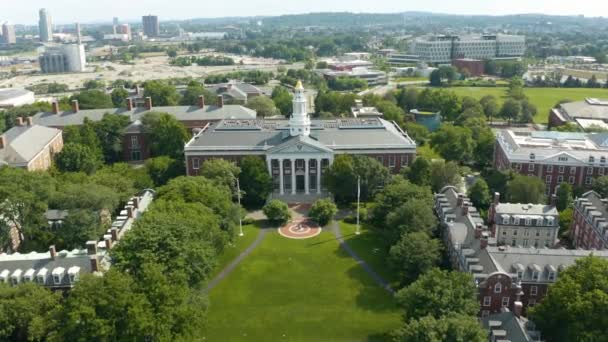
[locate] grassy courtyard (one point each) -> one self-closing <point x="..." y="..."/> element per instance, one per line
<point x="300" y="290"/>
<point x="543" y="98"/>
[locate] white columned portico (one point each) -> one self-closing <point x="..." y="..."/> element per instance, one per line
<point x="282" y="189"/>
<point x="306" y="177"/>
<point x="269" y="164"/>
<point x="293" y="176"/>
<point x="319" y="175"/>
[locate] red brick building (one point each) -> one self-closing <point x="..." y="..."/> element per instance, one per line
<point x="554" y="157"/>
<point x="474" y="67"/>
<point x="589" y="228"/>
<point x="297" y="151"/>
<point x="135" y="144"/>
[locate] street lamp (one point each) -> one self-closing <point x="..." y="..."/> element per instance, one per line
<point x="238" y="191"/>
<point x="357" y="232"/>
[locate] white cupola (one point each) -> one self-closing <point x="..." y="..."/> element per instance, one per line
<point x="299" y="123"/>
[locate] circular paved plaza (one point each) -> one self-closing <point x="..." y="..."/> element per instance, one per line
<point x="303" y="228"/>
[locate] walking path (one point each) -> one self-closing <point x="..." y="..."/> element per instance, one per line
<point x="335" y="228"/>
<point x="226" y="271"/>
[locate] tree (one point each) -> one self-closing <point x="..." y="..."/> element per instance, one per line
<point x="79" y="227"/>
<point x="443" y="174"/>
<point x="564" y="196"/>
<point x="452" y="327"/>
<point x="282" y="100"/>
<point x="524" y="189"/>
<point x="510" y="110"/>
<point x="600" y="185"/>
<point x="516" y="88"/>
<point x="167" y="135"/>
<point x="341" y="177"/>
<point x="415" y="215"/>
<point x="419" y="172"/>
<point x="277" y="212"/>
<point x="484" y="140"/>
<point x="119" y="97"/>
<point x="162" y="169"/>
<point x="162" y="94"/>
<point x="94" y="84"/>
<point x="438" y="293"/>
<point x="528" y="111"/>
<point x="454" y="143"/>
<point x="222" y="171"/>
<point x="263" y="106"/>
<point x="27" y="312"/>
<point x="110" y="131"/>
<point x="78" y="158"/>
<point x="479" y="193"/>
<point x="414" y="254"/>
<point x="323" y="211"/>
<point x="93" y="99"/>
<point x="192" y="93"/>
<point x="490" y="106"/>
<point x="172" y="53"/>
<point x="395" y="194"/>
<point x="255" y="181"/>
<point x="579" y="297"/>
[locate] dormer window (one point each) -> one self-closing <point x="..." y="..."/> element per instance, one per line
<point x="520" y="275"/>
<point x="591" y="159"/>
<point x="532" y="156"/>
<point x="551" y="276"/>
<point x="498" y="288"/>
<point x="516" y="221"/>
<point x="505" y="220"/>
<point x="73" y="274"/>
<point x="535" y="275"/>
<point x="528" y="221"/>
<point x="550" y="220"/>
<point x="58" y="275"/>
<point x="603" y="160"/>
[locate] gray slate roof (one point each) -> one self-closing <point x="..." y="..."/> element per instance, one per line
<point x="584" y="110"/>
<point x="23" y="143"/>
<point x="181" y="113"/>
<point x="508" y="327"/>
<point x="335" y="134"/>
<point x="526" y="209"/>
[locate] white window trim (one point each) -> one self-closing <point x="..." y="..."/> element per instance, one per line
<point x="533" y="290"/>
<point x="487" y="301"/>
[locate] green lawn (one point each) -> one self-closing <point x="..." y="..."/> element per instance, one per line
<point x="250" y="232"/>
<point x="370" y="247"/>
<point x="543" y="98"/>
<point x="300" y="290"/>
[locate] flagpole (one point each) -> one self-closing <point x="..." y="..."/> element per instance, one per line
<point x="238" y="190"/>
<point x="357" y="232"/>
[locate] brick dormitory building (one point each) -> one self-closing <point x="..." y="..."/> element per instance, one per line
<point x="297" y="151"/>
<point x="513" y="277"/>
<point x="554" y="157"/>
<point x="135" y="144"/>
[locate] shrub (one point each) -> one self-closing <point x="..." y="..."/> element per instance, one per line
<point x="323" y="211"/>
<point x="277" y="212"/>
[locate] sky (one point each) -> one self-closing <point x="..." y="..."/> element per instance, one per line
<point x="70" y="11"/>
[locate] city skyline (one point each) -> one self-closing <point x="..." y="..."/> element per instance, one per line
<point x="69" y="11"/>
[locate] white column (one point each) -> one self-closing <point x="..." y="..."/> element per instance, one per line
<point x="281" y="177"/>
<point x="293" y="176"/>
<point x="269" y="163"/>
<point x="306" y="177"/>
<point x="319" y="175"/>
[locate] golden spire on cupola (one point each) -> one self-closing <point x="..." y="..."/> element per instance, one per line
<point x="299" y="85"/>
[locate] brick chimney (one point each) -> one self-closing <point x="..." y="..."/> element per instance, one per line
<point x="478" y="230"/>
<point x="148" y="103"/>
<point x="108" y="242"/>
<point x="460" y="200"/>
<point x="30" y="121"/>
<point x="53" y="252"/>
<point x="465" y="209"/>
<point x="130" y="212"/>
<point x="220" y="101"/>
<point x="201" y="101"/>
<point x="136" y="202"/>
<point x="92" y="247"/>
<point x="497" y="198"/>
<point x="136" y="89"/>
<point x="114" y="233"/>
<point x="75" y="106"/>
<point x="94" y="263"/>
<point x="2" y="141"/>
<point x="55" y="106"/>
<point x="517" y="307"/>
<point x="553" y="199"/>
<point x="483" y="242"/>
<point x="129" y="104"/>
<point x="19" y="121"/>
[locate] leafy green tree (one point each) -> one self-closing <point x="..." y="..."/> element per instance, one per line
<point x="223" y="171"/>
<point x="193" y="91"/>
<point x="94" y="84"/>
<point x="528" y="111"/>
<point x="524" y="189"/>
<point x="263" y="106"/>
<point x="484" y="140"/>
<point x="110" y="131"/>
<point x="162" y="94"/>
<point x="566" y="217"/>
<point x="283" y="100"/>
<point x="479" y="193"/>
<point x="167" y="135"/>
<point x="394" y="195"/>
<point x="580" y="298"/>
<point x="415" y="215"/>
<point x="452" y="327"/>
<point x="600" y="185"/>
<point x="255" y="181"/>
<point x="454" y="143"/>
<point x="510" y="110"/>
<point x="79" y="227"/>
<point x="93" y="99"/>
<point x="438" y="293"/>
<point x="490" y="106"/>
<point x="162" y="169"/>
<point x="119" y="97"/>
<point x="564" y="196"/>
<point x="443" y="174"/>
<point x="172" y="53"/>
<point x="419" y="172"/>
<point x="341" y="177"/>
<point x="277" y="212"/>
<point x="323" y="211"/>
<point x="27" y="312"/>
<point x="78" y="158"/>
<point x="414" y="254"/>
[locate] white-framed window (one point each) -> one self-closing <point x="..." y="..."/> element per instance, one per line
<point x="572" y="170"/>
<point x="571" y="179"/>
<point x="560" y="179"/>
<point x="57" y="279"/>
<point x="525" y="244"/>
<point x="532" y="156"/>
<point x="589" y="170"/>
<point x="505" y="220"/>
<point x="196" y="163"/>
<point x="588" y="180"/>
<point x="498" y="288"/>
<point x="530" y="167"/>
<point x="134" y="141"/>
<point x="562" y="158"/>
<point x="404" y="160"/>
<point x="487" y="300"/>
<point x="513" y="243"/>
<point x="505" y="301"/>
<point x="533" y="290"/>
<point x="549" y="168"/>
<point x="532" y="302"/>
<point x="600" y="171"/>
<point x="518" y="166"/>
<point x="591" y="159"/>
<point x="561" y="169"/>
<point x="514" y="232"/>
<point x="528" y="221"/>
<point x="391" y="161"/>
<point x="535" y="275"/>
<point x="520" y="275"/>
<point x="551" y="276"/>
<point x="548" y="179"/>
<point x="603" y="160"/>
<point x="516" y="221"/>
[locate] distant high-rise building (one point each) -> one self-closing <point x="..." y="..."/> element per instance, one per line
<point x="45" y="25"/>
<point x="151" y="27"/>
<point x="114" y="24"/>
<point x="63" y="58"/>
<point x="125" y="29"/>
<point x="8" y="34"/>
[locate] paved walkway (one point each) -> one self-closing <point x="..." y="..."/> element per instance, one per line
<point x="335" y="228"/>
<point x="226" y="271"/>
